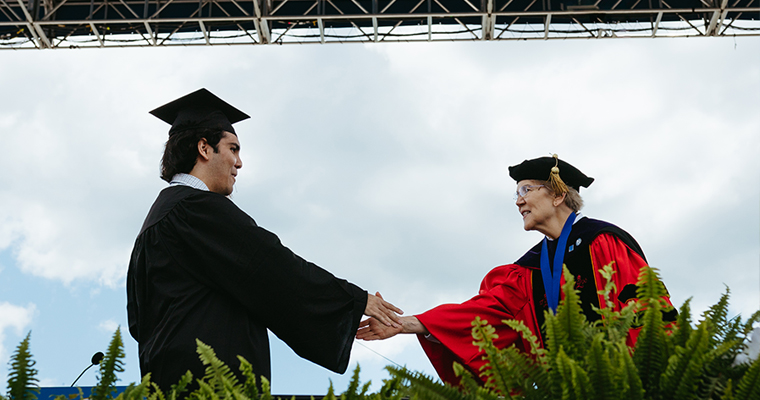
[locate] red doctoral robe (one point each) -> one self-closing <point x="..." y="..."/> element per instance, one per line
<point x="515" y="291"/>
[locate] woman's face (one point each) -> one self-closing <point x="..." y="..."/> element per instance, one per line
<point x="537" y="206"/>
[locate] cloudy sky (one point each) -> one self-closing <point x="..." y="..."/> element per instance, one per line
<point x="385" y="164"/>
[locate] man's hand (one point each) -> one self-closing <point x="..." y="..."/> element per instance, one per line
<point x="382" y="310"/>
<point x="372" y="329"/>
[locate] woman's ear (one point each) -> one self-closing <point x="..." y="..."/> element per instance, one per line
<point x="559" y="199"/>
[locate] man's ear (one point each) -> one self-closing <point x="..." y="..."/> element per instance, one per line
<point x="203" y="149"/>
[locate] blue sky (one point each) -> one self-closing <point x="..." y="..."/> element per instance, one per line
<point x="385" y="164"/>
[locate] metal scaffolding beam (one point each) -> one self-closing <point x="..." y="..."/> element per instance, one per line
<point x="55" y="24"/>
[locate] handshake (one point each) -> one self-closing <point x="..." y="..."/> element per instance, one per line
<point x="384" y="321"/>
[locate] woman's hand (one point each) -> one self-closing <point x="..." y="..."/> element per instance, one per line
<point x="372" y="329"/>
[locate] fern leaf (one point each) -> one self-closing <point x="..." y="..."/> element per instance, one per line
<point x="651" y="355"/>
<point x="683" y="328"/>
<point x="565" y="367"/>
<point x="218" y="374"/>
<point x="571" y="320"/>
<point x="749" y="324"/>
<point x="136" y="392"/>
<point x="111" y="364"/>
<point x="330" y="392"/>
<point x="630" y="383"/>
<point x="22" y="377"/>
<point x="728" y="394"/>
<point x="467" y="383"/>
<point x="176" y="390"/>
<point x="352" y="392"/>
<point x="249" y="386"/>
<point x="748" y="387"/>
<point x="684" y="369"/>
<point x="600" y="371"/>
<point x="423" y="387"/>
<point x="495" y="372"/>
<point x="528" y="336"/>
<point x="717" y="315"/>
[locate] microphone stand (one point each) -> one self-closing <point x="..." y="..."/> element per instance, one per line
<point x="96" y="359"/>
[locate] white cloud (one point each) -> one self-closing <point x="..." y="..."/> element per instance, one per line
<point x="16" y="318"/>
<point x="109" y="326"/>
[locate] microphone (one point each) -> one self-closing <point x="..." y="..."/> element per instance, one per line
<point x="96" y="359"/>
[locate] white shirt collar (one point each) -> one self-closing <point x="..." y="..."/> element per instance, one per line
<point x="188" y="180"/>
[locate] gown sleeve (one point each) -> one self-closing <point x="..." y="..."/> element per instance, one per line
<point x="314" y="312"/>
<point x="607" y="248"/>
<point x="504" y="294"/>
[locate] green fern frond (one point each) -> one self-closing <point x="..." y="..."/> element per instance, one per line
<point x="249" y="385"/>
<point x="266" y="390"/>
<point x="609" y="287"/>
<point x="22" y="376"/>
<point x="600" y="370"/>
<point x="352" y="392"/>
<point x="728" y="394"/>
<point x="158" y="394"/>
<point x="468" y="383"/>
<point x="651" y="352"/>
<point x="423" y="387"/>
<point x="330" y="392"/>
<point x="630" y="383"/>
<point x="574" y="384"/>
<point x="615" y="324"/>
<point x="136" y="392"/>
<point x="748" y="387"/>
<point x="218" y="374"/>
<point x="527" y="335"/>
<point x="496" y="372"/>
<point x="483" y="333"/>
<point x="534" y="371"/>
<point x="680" y="379"/>
<point x="749" y="324"/>
<point x="650" y="287"/>
<point x="176" y="390"/>
<point x="111" y="364"/>
<point x="392" y="389"/>
<point x="205" y="391"/>
<point x="682" y="330"/>
<point x="470" y="387"/>
<point x="717" y="314"/>
<point x="572" y="322"/>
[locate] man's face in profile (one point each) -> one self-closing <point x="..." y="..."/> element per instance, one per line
<point x="223" y="165"/>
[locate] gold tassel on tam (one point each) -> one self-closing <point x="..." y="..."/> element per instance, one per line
<point x="555" y="182"/>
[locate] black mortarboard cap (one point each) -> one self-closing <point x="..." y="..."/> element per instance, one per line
<point x="199" y="109"/>
<point x="541" y="169"/>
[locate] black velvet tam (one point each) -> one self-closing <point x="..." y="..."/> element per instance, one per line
<point x="540" y="169"/>
<point x="199" y="109"/>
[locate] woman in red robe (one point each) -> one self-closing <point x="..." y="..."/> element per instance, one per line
<point x="548" y="199"/>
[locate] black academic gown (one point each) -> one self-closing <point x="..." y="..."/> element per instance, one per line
<point x="202" y="268"/>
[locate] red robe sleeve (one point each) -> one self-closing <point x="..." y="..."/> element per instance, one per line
<point x="505" y="293"/>
<point x="605" y="249"/>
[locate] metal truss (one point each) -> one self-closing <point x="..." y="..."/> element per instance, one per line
<point x="51" y="24"/>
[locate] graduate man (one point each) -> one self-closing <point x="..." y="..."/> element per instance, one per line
<point x="201" y="267"/>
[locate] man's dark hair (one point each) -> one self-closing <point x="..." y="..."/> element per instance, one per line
<point x="181" y="150"/>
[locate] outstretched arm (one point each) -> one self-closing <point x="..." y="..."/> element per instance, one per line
<point x="372" y="329"/>
<point x="382" y="310"/>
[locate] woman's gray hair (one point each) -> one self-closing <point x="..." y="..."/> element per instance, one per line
<point x="573" y="198"/>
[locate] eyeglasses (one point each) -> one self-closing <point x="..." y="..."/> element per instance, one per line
<point x="523" y="190"/>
